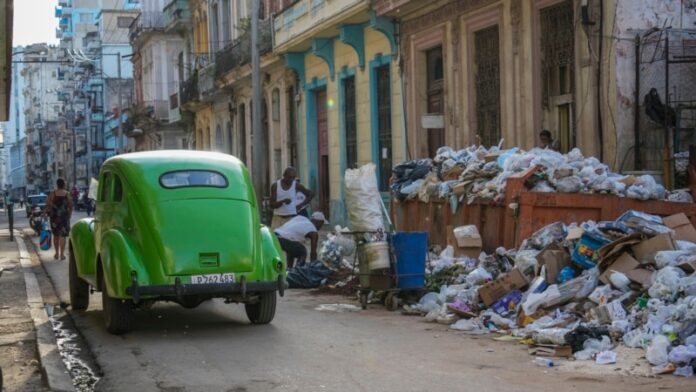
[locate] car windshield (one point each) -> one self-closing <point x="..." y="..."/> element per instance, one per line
<point x="37" y="199"/>
<point x="193" y="178"/>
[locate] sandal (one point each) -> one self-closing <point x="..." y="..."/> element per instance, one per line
<point x="55" y="256"/>
<point x="62" y="257"/>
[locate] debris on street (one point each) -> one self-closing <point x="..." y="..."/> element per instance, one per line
<point x="576" y="290"/>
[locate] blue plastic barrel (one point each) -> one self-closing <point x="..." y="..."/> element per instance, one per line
<point x="410" y="252"/>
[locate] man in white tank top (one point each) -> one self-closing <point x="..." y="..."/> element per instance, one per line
<point x="284" y="200"/>
<point x="293" y="234"/>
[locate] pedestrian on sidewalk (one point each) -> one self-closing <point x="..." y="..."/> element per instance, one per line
<point x="59" y="209"/>
<point x="294" y="232"/>
<point x="284" y="200"/>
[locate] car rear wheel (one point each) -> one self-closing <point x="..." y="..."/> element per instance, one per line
<point x="263" y="311"/>
<point x="118" y="314"/>
<point x="79" y="289"/>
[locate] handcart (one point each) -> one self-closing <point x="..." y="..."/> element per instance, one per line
<point x="390" y="262"/>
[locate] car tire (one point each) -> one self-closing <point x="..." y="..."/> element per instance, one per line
<point x="118" y="313"/>
<point x="263" y="311"/>
<point x="79" y="289"/>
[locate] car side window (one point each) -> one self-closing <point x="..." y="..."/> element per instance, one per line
<point x="105" y="187"/>
<point x="118" y="188"/>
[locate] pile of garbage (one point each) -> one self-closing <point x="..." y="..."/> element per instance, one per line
<point x="577" y="290"/>
<point x="478" y="173"/>
<point x="332" y="267"/>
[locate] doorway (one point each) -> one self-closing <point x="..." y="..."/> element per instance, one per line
<point x="322" y="150"/>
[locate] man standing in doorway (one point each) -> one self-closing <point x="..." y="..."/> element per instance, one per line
<point x="284" y="198"/>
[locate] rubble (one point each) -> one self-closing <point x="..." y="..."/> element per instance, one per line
<point x="578" y="291"/>
<point x="478" y="173"/>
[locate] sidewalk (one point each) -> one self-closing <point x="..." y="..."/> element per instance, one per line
<point x="29" y="355"/>
<point x="18" y="348"/>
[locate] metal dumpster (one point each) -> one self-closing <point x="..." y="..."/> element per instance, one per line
<point x="521" y="213"/>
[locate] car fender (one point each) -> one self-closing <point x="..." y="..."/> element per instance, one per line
<point x="270" y="249"/>
<point x="83" y="247"/>
<point x="119" y="256"/>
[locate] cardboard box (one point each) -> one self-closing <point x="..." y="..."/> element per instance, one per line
<point x="473" y="251"/>
<point x="610" y="252"/>
<point x="498" y="288"/>
<point x="683" y="229"/>
<point x="641" y="276"/>
<point x="623" y="264"/>
<point x="613" y="311"/>
<point x="645" y="251"/>
<point x="554" y="257"/>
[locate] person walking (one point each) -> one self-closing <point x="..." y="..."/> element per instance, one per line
<point x="59" y="209"/>
<point x="284" y="198"/>
<point x="294" y="232"/>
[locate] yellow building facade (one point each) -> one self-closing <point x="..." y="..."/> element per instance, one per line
<point x="349" y="94"/>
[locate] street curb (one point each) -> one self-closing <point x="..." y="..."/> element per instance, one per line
<point x="57" y="375"/>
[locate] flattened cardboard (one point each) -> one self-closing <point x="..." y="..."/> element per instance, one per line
<point x="459" y="189"/>
<point x="683" y="229"/>
<point x="555" y="258"/>
<point x="609" y="252"/>
<point x="623" y="264"/>
<point x="548" y="350"/>
<point x="574" y="234"/>
<point x="497" y="289"/>
<point x="641" y="276"/>
<point x="645" y="251"/>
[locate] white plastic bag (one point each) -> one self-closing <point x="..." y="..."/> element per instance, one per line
<point x="363" y="200"/>
<point x="682" y="354"/>
<point x="673" y="258"/>
<point x="620" y="281"/>
<point x="657" y="352"/>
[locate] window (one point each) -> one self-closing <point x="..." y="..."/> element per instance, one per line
<point x="218" y="139"/>
<point x="275" y="104"/>
<point x="242" y="134"/>
<point x="435" y="97"/>
<point x="350" y="122"/>
<point x="226" y="15"/>
<point x="124" y="22"/>
<point x="487" y="82"/>
<point x="105" y="187"/>
<point x="86" y="18"/>
<point x="215" y="27"/>
<point x="384" y="124"/>
<point x="192" y="178"/>
<point x="230" y="140"/>
<point x="118" y="188"/>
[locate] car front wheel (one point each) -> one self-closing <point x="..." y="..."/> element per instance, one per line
<point x="79" y="289"/>
<point x="263" y="311"/>
<point x="119" y="314"/>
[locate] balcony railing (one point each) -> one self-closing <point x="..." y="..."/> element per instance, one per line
<point x="238" y="53"/>
<point x="206" y="80"/>
<point x="146" y="22"/>
<point x="188" y="91"/>
<point x="177" y="15"/>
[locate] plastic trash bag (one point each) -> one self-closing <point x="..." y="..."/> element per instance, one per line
<point x="684" y="371"/>
<point x="469" y="325"/>
<point x="620" y="281"/>
<point x="601" y="295"/>
<point x="682" y="354"/>
<point x="666" y="282"/>
<point x="543" y="186"/>
<point x="428" y="303"/>
<point x="547" y="235"/>
<point x="637" y="338"/>
<point x="673" y="258"/>
<point x="686" y="245"/>
<point x="478" y="276"/>
<point x="592" y="347"/>
<point x="363" y="200"/>
<point x="656" y="354"/>
<point x="550" y="336"/>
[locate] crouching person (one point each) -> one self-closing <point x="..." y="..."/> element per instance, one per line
<point x="293" y="234"/>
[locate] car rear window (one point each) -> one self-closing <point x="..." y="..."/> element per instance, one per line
<point x="192" y="178"/>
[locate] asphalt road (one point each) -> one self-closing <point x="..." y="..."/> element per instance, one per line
<point x="214" y="348"/>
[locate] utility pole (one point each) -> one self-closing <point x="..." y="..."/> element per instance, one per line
<point x="257" y="154"/>
<point x="119" y="141"/>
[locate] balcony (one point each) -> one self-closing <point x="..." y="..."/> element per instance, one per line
<point x="308" y="15"/>
<point x="177" y="16"/>
<point x="144" y="23"/>
<point x="188" y="91"/>
<point x="238" y="53"/>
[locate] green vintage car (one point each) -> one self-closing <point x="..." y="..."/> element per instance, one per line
<point x="178" y="226"/>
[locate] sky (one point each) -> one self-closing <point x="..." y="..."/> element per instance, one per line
<point x="34" y="22"/>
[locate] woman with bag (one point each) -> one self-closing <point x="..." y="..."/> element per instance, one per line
<point x="59" y="209"/>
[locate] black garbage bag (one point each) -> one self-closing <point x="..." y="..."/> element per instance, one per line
<point x="407" y="172"/>
<point x="576" y="338"/>
<point x="308" y="276"/>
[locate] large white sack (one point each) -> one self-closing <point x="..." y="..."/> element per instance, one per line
<point x="363" y="200"/>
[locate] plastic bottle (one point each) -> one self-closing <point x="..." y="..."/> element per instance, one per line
<point x="543" y="362"/>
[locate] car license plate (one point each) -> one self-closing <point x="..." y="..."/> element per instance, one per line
<point x="212" y="278"/>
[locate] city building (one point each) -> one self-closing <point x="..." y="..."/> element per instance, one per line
<point x="155" y="123"/>
<point x="6" y="18"/>
<point x="13" y="150"/>
<point x="348" y="98"/>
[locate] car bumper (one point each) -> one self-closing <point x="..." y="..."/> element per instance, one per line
<point x="180" y="290"/>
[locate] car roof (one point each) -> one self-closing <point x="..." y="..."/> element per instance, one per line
<point x="143" y="169"/>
